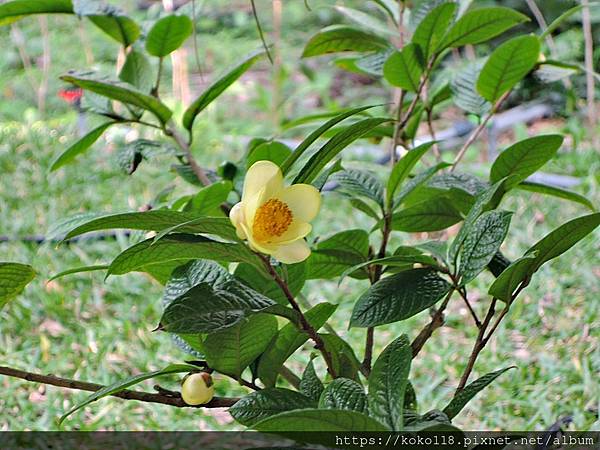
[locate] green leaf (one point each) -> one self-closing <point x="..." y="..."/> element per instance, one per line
<point x="366" y="21"/>
<point x="344" y="394"/>
<point x="345" y="362"/>
<point x="310" y="385"/>
<point x="179" y="247"/>
<point x="432" y="28"/>
<point x="465" y="395"/>
<point x="312" y="137"/>
<point x="434" y="214"/>
<point x="210" y="309"/>
<point x="309" y="420"/>
<point x="274" y="151"/>
<point x="78" y="270"/>
<point x="403" y="261"/>
<point x="552" y="245"/>
<point x="404" y="68"/>
<point x="218" y="87"/>
<point x="15" y="10"/>
<point x="119" y="91"/>
<point x="137" y="71"/>
<point x="115" y="24"/>
<point x="127" y="382"/>
<point x="260" y="405"/>
<point x="208" y="200"/>
<point x="507" y="65"/>
<point x="555" y="192"/>
<point x="192" y="274"/>
<point x="334" y="255"/>
<point x="524" y="158"/>
<point x="412" y="186"/>
<point x="79" y="147"/>
<point x="398" y="297"/>
<point x="359" y="183"/>
<point x="288" y="340"/>
<point x="563" y="17"/>
<point x="498" y="264"/>
<point x="372" y="64"/>
<point x="403" y="167"/>
<point x="13" y="279"/>
<point x="480" y="25"/>
<point x="387" y="383"/>
<point x="231" y="350"/>
<point x="157" y="220"/>
<point x="168" y="34"/>
<point x="334" y="146"/>
<point x="341" y="38"/>
<point x="482" y="242"/>
<point x="464" y="92"/>
<point x="365" y="208"/>
<point x="293" y="274"/>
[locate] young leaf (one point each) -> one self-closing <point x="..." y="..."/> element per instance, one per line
<point x="480" y="25"/>
<point x="402" y="169"/>
<point x="208" y="309"/>
<point x="288" y="340"/>
<point x="335" y="254"/>
<point x="465" y="395"/>
<point x="309" y="420"/>
<point x="344" y="394"/>
<point x="231" y="350"/>
<point x="524" y="158"/>
<point x="398" y="297"/>
<point x="137" y="71"/>
<point x="434" y="214"/>
<point x="334" y="146"/>
<point x="168" y="34"/>
<point x="482" y="242"/>
<point x="268" y="402"/>
<point x="116" y="25"/>
<point x="156" y="220"/>
<point x="339" y="38"/>
<point x="179" y="248"/>
<point x="556" y="192"/>
<point x="404" y="68"/>
<point x="431" y="29"/>
<point x="119" y="91"/>
<point x="124" y="384"/>
<point x="12" y="11"/>
<point x="79" y="147"/>
<point x="507" y="65"/>
<point x="312" y="137"/>
<point x="310" y="385"/>
<point x="387" y="383"/>
<point x="218" y="87"/>
<point x="359" y="183"/>
<point x="552" y="245"/>
<point x="13" y="279"/>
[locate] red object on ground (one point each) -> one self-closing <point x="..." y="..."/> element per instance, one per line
<point x="71" y="95"/>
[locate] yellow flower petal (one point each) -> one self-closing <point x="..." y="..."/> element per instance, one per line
<point x="262" y="175"/>
<point x="257" y="245"/>
<point x="303" y="199"/>
<point x="236" y="215"/>
<point x="297" y="230"/>
<point x="292" y="253"/>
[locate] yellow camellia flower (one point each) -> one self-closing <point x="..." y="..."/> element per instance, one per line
<point x="273" y="218"/>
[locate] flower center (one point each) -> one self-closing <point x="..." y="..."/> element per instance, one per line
<point x="272" y="218"/>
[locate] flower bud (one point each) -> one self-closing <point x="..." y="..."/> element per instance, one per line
<point x="197" y="389"/>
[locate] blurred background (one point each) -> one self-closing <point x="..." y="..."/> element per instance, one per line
<point x="86" y="328"/>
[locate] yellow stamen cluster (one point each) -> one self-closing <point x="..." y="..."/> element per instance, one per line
<point x="272" y="218"/>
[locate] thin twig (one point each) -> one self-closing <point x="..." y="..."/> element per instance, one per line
<point x="148" y="397"/>
<point x="463" y="294"/>
<point x="437" y="320"/>
<point x="260" y="31"/>
<point x="198" y="171"/>
<point x="589" y="62"/>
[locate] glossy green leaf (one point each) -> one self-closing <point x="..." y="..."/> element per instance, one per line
<point x="334" y="255"/>
<point x="127" y="382"/>
<point x="310" y="384"/>
<point x="137" y="71"/>
<point x="359" y="183"/>
<point x="398" y="297"/>
<point x="288" y="340"/>
<point x="411" y="186"/>
<point x="387" y="383"/>
<point x="79" y="147"/>
<point x="168" y="34"/>
<point x="404" y="68"/>
<point x="507" y="65"/>
<point x="434" y="214"/>
<point x="340" y="38"/>
<point x="401" y="260"/>
<point x="334" y="146"/>
<point x="482" y="242"/>
<point x="116" y="25"/>
<point x="260" y="405"/>
<point x="432" y="27"/>
<point x="524" y="158"/>
<point x="344" y="394"/>
<point x="13" y="279"/>
<point x="465" y="395"/>
<point x="231" y="350"/>
<point x="344" y="360"/>
<point x="218" y="87"/>
<point x="403" y="168"/>
<point x="15" y="10"/>
<point x="208" y="201"/>
<point x="552" y="245"/>
<point x="274" y="151"/>
<point x="191" y="274"/>
<point x="119" y="91"/>
<point x="555" y="192"/>
<point x="480" y="25"/>
<point x="309" y="420"/>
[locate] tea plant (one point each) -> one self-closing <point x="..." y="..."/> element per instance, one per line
<point x="235" y="256"/>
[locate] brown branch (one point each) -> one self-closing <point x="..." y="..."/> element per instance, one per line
<point x="463" y="294"/>
<point x="437" y="320"/>
<point x="198" y="171"/>
<point x="148" y="397"/>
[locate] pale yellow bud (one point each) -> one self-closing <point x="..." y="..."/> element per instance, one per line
<point x="197" y="389"/>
